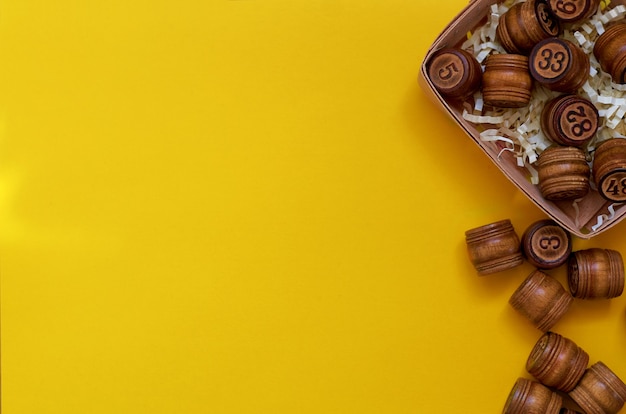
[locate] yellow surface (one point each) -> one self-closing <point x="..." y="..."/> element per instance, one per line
<point x="250" y="207"/>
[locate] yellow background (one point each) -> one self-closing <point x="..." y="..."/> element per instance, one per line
<point x="251" y="207"/>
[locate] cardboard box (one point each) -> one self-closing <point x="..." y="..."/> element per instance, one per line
<point x="590" y="216"/>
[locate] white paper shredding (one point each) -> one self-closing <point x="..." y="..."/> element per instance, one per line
<point x="519" y="129"/>
<point x="604" y="218"/>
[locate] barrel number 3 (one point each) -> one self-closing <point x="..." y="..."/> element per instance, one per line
<point x="552" y="242"/>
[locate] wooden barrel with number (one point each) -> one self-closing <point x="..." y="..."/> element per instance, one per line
<point x="609" y="169"/>
<point x="455" y="73"/>
<point x="525" y="24"/>
<point x="569" y="11"/>
<point x="559" y="65"/>
<point x="546" y="245"/>
<point x="570" y="120"/>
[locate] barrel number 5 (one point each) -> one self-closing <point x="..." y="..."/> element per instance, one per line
<point x="448" y="71"/>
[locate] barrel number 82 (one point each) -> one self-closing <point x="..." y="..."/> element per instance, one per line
<point x="581" y="124"/>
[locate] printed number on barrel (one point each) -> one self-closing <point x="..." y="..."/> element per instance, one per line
<point x="553" y="61"/>
<point x="566" y="7"/>
<point x="616" y="187"/>
<point x="581" y="127"/>
<point x="545" y="17"/>
<point x="547" y="242"/>
<point x="447" y="72"/>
